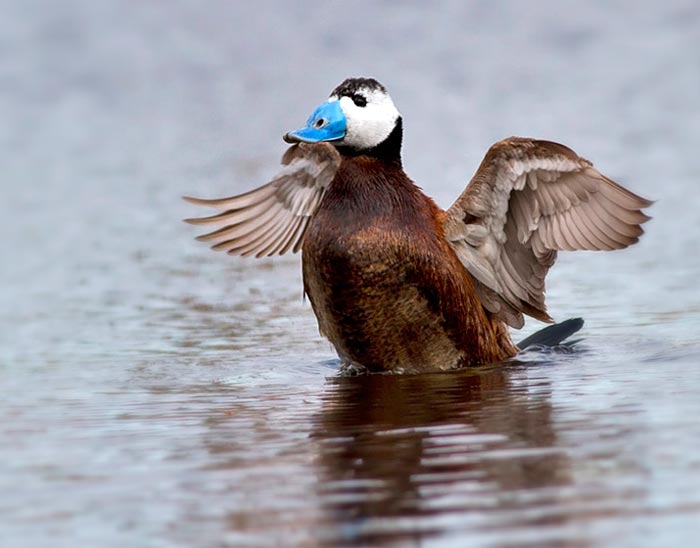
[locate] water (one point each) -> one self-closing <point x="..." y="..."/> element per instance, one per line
<point x="157" y="394"/>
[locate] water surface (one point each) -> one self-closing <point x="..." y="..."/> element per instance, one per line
<point x="158" y="394"/>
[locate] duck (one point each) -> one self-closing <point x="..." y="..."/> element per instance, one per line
<point x="397" y="284"/>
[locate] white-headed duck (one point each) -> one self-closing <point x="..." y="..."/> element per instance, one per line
<point x="396" y="283"/>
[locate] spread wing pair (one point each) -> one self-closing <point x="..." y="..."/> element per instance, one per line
<point x="527" y="200"/>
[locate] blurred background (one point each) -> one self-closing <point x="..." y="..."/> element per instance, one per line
<point x="158" y="394"/>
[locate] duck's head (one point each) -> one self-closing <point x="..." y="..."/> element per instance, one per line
<point x="359" y="117"/>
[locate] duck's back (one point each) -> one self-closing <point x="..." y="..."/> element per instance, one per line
<point x="387" y="289"/>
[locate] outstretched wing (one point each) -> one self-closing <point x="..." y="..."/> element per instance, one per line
<point x="527" y="200"/>
<point x="273" y="218"/>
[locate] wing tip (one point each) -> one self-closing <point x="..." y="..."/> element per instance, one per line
<point x="214" y="202"/>
<point x="645" y="204"/>
<point x="192" y="199"/>
<point x="195" y="220"/>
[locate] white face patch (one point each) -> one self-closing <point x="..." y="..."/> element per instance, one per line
<point x="369" y="125"/>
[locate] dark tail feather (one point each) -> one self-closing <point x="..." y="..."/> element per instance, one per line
<point x="552" y="335"/>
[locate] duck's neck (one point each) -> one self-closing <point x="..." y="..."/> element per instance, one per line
<point x="388" y="151"/>
<point x="367" y="188"/>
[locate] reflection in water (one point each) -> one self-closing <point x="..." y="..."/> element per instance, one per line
<point x="408" y="456"/>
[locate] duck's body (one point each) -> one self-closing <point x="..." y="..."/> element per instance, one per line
<point x="387" y="289"/>
<point x="396" y="283"/>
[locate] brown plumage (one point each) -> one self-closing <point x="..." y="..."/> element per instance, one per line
<point x="399" y="285"/>
<point x="387" y="288"/>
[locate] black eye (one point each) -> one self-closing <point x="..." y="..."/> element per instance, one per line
<point x="320" y="123"/>
<point x="359" y="100"/>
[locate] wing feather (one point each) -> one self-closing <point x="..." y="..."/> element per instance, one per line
<point x="528" y="200"/>
<point x="607" y="224"/>
<point x="263" y="244"/>
<point x="601" y="241"/>
<point x="272" y="218"/>
<point x="283" y="238"/>
<point x="575" y="232"/>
